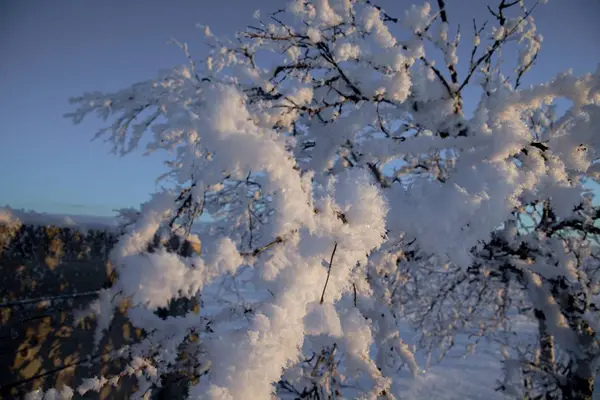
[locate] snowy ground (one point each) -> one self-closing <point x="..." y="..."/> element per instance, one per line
<point x="472" y="377"/>
<point x="456" y="376"/>
<point x="82" y="222"/>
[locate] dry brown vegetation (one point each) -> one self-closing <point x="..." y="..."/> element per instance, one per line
<point x="40" y="346"/>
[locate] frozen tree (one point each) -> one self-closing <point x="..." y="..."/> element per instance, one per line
<point x="319" y="142"/>
<point x="538" y="267"/>
<point x="561" y="255"/>
<point x="556" y="263"/>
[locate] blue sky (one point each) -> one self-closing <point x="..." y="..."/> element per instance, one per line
<point x="53" y="50"/>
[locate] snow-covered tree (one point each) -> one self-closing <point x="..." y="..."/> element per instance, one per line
<point x="537" y="267"/>
<point x="556" y="263"/>
<point x="561" y="254"/>
<point x="320" y="143"/>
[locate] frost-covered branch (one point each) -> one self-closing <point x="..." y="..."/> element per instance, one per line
<point x="345" y="137"/>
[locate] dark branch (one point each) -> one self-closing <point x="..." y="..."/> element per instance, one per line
<point x="328" y="272"/>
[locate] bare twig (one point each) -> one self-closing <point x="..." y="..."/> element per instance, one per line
<point x="444" y="17"/>
<point x="328" y="272"/>
<point x="48" y="299"/>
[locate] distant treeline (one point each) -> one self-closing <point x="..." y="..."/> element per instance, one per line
<point x="37" y="242"/>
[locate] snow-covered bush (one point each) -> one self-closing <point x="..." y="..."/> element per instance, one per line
<point x="320" y="143"/>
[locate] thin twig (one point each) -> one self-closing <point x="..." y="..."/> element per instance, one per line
<point x="48" y="299"/>
<point x="328" y="272"/>
<point x="262" y="249"/>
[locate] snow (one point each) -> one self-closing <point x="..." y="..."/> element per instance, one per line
<point x="312" y="250"/>
<point x="80" y="222"/>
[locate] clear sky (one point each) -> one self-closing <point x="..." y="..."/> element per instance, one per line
<point x="53" y="50"/>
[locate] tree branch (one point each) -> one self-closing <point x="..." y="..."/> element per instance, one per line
<point x="328" y="272"/>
